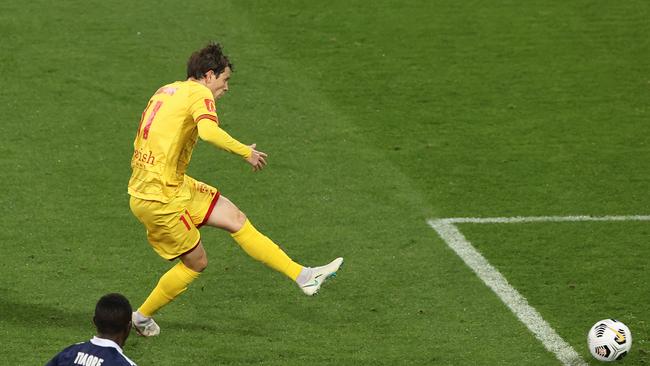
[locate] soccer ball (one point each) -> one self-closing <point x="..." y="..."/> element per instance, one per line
<point x="609" y="340"/>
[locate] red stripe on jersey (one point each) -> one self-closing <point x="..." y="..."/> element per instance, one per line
<point x="187" y="224"/>
<point x="206" y="116"/>
<point x="207" y="215"/>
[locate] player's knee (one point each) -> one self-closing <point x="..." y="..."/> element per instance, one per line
<point x="202" y="264"/>
<point x="240" y="218"/>
<point x="199" y="264"/>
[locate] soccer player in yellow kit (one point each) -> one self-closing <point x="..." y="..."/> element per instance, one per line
<point x="172" y="206"/>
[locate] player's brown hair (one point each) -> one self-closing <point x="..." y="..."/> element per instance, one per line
<point x="208" y="58"/>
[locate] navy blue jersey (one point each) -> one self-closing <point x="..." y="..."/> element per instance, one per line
<point x="95" y="352"/>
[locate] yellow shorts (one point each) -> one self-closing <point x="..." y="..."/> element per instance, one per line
<point x="172" y="227"/>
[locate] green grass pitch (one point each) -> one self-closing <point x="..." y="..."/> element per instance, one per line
<point x="377" y="116"/>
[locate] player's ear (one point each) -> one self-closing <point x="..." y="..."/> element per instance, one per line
<point x="208" y="74"/>
<point x="94" y="322"/>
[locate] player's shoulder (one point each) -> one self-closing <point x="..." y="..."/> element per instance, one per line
<point x="67" y="355"/>
<point x="188" y="87"/>
<point x="172" y="89"/>
<point x="110" y="351"/>
<point x="74" y="347"/>
<point x="199" y="88"/>
<point x="118" y="357"/>
<point x="121" y="360"/>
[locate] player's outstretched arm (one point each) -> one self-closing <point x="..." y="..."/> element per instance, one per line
<point x="212" y="133"/>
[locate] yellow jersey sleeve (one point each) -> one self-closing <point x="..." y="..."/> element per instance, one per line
<point x="212" y="133"/>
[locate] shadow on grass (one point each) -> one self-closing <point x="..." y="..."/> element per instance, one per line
<point x="214" y="327"/>
<point x="32" y="316"/>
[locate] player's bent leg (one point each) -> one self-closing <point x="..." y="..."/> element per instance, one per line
<point x="173" y="283"/>
<point x="226" y="215"/>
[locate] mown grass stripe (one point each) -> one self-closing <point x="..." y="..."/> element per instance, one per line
<point x="508" y="294"/>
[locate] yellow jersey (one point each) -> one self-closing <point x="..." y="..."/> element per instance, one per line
<point x="166" y="137"/>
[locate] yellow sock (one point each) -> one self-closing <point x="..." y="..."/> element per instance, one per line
<point x="170" y="285"/>
<point x="265" y="250"/>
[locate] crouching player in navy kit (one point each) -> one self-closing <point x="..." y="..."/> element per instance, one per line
<point x="113" y="322"/>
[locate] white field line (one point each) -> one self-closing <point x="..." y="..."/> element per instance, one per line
<point x="523" y="219"/>
<point x="517" y="303"/>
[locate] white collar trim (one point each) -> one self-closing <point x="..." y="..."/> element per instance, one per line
<point x="103" y="342"/>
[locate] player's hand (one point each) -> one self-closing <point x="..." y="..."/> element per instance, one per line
<point x="257" y="158"/>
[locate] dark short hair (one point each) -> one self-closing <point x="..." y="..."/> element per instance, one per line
<point x="112" y="314"/>
<point x="208" y="58"/>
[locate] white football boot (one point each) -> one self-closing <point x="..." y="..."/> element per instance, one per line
<point x="319" y="275"/>
<point x="144" y="326"/>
